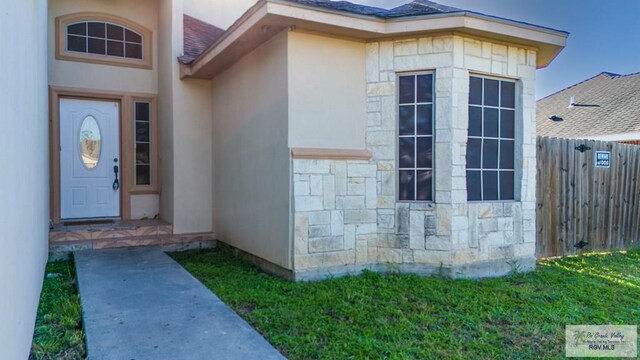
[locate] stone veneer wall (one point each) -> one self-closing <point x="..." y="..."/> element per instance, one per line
<point x="346" y="216"/>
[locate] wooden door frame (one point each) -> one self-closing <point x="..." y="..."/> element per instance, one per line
<point x="56" y="94"/>
<point x="125" y="136"/>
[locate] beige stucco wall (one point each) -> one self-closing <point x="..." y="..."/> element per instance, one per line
<point x="192" y="128"/>
<point x="221" y="13"/>
<point x="166" y="65"/>
<point x="327" y="92"/>
<point x="144" y="206"/>
<point x="105" y="77"/>
<point x="251" y="155"/>
<point x="24" y="179"/>
<point x="185" y="128"/>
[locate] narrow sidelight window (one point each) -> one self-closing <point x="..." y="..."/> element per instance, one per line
<point x="491" y="140"/>
<point x="415" y="137"/>
<point x="143" y="140"/>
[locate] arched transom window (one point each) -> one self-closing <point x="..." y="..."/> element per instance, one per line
<point x="104" y="39"/>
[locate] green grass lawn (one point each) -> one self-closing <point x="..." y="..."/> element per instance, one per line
<point x="409" y="316"/>
<point x="58" y="333"/>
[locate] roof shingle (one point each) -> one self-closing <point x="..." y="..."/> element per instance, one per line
<point x="415" y="8"/>
<point x="422" y="7"/>
<point x="198" y="36"/>
<point x="618" y="112"/>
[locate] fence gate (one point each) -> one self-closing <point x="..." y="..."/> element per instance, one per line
<point x="588" y="196"/>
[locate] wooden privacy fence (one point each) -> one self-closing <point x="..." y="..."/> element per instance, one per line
<point x="579" y="203"/>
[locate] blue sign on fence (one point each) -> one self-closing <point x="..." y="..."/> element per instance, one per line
<point x="603" y="159"/>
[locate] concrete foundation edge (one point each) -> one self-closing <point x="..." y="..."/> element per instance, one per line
<point x="484" y="269"/>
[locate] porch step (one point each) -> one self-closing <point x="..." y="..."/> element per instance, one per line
<point x="63" y="240"/>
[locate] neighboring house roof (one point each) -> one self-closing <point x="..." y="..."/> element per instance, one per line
<point x="268" y="17"/>
<point x="617" y="112"/>
<point x="198" y="37"/>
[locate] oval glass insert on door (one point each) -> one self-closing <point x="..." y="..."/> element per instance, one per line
<point x="90" y="142"/>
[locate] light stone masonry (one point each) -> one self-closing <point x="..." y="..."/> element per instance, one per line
<point x="346" y="213"/>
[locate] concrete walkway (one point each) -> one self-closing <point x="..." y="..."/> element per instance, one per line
<point x="140" y="304"/>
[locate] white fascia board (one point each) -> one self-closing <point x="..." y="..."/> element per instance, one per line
<point x="370" y="27"/>
<point x="472" y="21"/>
<point x="441" y="22"/>
<point x="328" y="17"/>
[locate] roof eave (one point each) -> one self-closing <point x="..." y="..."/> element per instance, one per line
<point x="268" y="17"/>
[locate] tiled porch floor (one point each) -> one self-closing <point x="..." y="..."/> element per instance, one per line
<point x="129" y="233"/>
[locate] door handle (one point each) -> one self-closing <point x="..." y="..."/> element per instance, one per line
<point x="116" y="182"/>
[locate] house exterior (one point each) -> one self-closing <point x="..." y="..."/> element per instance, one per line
<point x="315" y="138"/>
<point x="600" y="108"/>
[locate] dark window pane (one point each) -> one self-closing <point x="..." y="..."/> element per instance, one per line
<point x="491" y="92"/>
<point x="407" y="120"/>
<point x="491" y="122"/>
<point x="507" y="154"/>
<point x="133" y="51"/>
<point x="142" y="131"/>
<point x="424" y="185"/>
<point x="425" y="152"/>
<point x="508" y="94"/>
<point x="142" y="111"/>
<point x="96" y="29"/>
<point x="143" y="175"/>
<point x="115" y="32"/>
<point x="142" y="154"/>
<point x="97" y="46"/>
<point x="490" y="185"/>
<point x="474" y="153"/>
<point x="474" y="185"/>
<point x="407" y="153"/>
<point x="115" y="48"/>
<point x="507" y="185"/>
<point x="475" y="121"/>
<point x="77" y="29"/>
<point x="425" y="123"/>
<point x="407" y="185"/>
<point x="131" y="36"/>
<point x="407" y="89"/>
<point x="475" y="90"/>
<point x="507" y="124"/>
<point x="76" y="43"/>
<point x="489" y="154"/>
<point x="425" y="88"/>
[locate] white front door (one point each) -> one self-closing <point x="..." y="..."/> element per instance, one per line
<point x="89" y="153"/>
